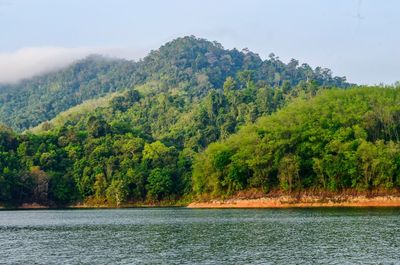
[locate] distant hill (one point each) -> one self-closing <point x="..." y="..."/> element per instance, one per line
<point x="189" y="65"/>
<point x="41" y="98"/>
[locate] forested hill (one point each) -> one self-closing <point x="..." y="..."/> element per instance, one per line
<point x="156" y="117"/>
<point x="41" y="98"/>
<point x="186" y="65"/>
<point x="160" y="146"/>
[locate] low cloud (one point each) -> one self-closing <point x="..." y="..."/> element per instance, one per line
<point x="28" y="62"/>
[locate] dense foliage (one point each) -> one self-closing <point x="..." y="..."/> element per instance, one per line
<point x="337" y="140"/>
<point x="138" y="147"/>
<point x="198" y="119"/>
<point x="189" y="65"/>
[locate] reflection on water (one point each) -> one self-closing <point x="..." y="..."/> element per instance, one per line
<point x="188" y="236"/>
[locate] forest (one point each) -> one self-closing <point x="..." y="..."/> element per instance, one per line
<point x="189" y="65"/>
<point x="192" y="119"/>
<point x="340" y="139"/>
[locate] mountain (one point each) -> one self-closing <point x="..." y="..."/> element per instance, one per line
<point x="145" y="136"/>
<point x="189" y="65"/>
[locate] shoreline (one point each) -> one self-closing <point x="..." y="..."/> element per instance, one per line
<point x="277" y="201"/>
<point x="301" y="202"/>
<point x="77" y="206"/>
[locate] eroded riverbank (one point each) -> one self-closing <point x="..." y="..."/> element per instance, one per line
<point x="301" y="202"/>
<point x="252" y="201"/>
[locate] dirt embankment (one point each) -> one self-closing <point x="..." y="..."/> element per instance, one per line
<point x="302" y="202"/>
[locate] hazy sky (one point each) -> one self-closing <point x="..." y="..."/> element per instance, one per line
<point x="356" y="38"/>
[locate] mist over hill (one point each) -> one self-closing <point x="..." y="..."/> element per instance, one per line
<point x="189" y="64"/>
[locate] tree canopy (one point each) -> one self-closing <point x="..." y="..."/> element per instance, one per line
<point x="189" y="64"/>
<point x="192" y="118"/>
<point x="338" y="140"/>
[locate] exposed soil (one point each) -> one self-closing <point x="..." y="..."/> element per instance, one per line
<point x="302" y="202"/>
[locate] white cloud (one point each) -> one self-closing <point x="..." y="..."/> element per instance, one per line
<point x="28" y="62"/>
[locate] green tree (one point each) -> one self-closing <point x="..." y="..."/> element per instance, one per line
<point x="160" y="184"/>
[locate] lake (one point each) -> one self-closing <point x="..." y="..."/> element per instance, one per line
<point x="200" y="236"/>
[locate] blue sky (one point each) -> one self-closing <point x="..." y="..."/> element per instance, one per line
<point x="355" y="38"/>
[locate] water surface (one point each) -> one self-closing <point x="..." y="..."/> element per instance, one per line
<point x="196" y="236"/>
